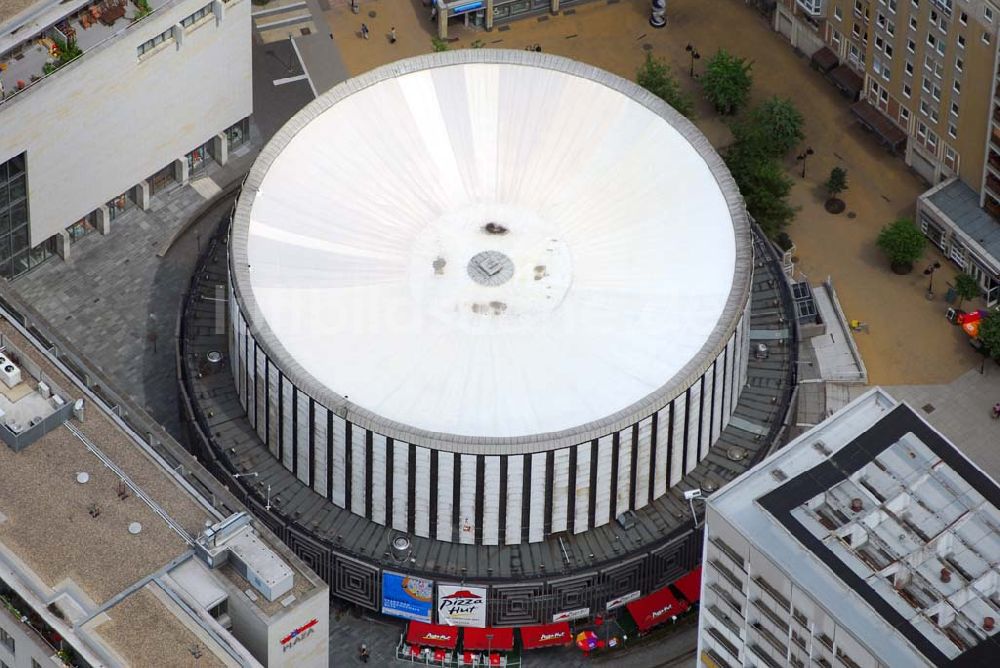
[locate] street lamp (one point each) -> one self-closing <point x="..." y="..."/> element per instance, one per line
<point x="801" y="157"/>
<point x="489" y="645"/>
<point x="694" y="56"/>
<point x="929" y="271"/>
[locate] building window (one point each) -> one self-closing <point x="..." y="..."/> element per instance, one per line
<point x="961" y="41"/>
<point x="963" y="18"/>
<point x="904" y="116"/>
<point x="859" y="8"/>
<point x="150" y="44"/>
<point x="928" y="63"/>
<point x="890" y="28"/>
<point x="913" y="23"/>
<point x="6" y="639"/>
<point x="952" y="131"/>
<point x="957" y="85"/>
<point x="835" y="38"/>
<point x="934" y="115"/>
<point x="14" y="216"/>
<point x="986" y="37"/>
<point x="908" y="67"/>
<point x="883" y="96"/>
<point x="988" y="14"/>
<point x="921" y="129"/>
<point x="936" y="93"/>
<point x="959" y="63"/>
<point x="931" y="39"/>
<point x="837" y="13"/>
<point x="238" y="134"/>
<point x="81" y="228"/>
<point x="931" y="141"/>
<point x="911" y="46"/>
<point x="892" y="6"/>
<point x="190" y="20"/>
<point x="925" y="85"/>
<point x="907" y="91"/>
<point x="951" y="158"/>
<point x="941" y="47"/>
<point x="924" y="108"/>
<point x="954" y="108"/>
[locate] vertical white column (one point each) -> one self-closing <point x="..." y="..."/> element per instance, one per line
<point x="560" y="489"/>
<point x="515" y="497"/>
<point x="422" y="502"/>
<point x="491" y="511"/>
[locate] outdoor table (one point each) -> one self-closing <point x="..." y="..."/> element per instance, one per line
<point x="439" y="655"/>
<point x="494" y="659"/>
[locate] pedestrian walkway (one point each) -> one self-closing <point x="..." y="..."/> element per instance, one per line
<point x="116" y="300"/>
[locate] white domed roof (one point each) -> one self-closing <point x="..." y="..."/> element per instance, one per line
<point x="490" y="249"/>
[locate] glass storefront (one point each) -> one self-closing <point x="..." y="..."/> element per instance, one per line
<point x="119" y="205"/>
<point x="82" y="227"/>
<point x="161" y="180"/>
<point x="238" y="134"/>
<point x="198" y="160"/>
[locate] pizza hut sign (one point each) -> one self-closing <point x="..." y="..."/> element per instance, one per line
<point x="656" y="614"/>
<point x="558" y="635"/>
<point x="460" y="605"/>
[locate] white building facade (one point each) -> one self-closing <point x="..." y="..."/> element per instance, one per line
<point x="148" y="101"/>
<point x="868" y="541"/>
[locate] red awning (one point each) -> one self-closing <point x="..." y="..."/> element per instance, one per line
<point x="432" y="635"/>
<point x="690" y="585"/>
<point x="656" y="608"/>
<point x="502" y="639"/>
<point x="548" y="635"/>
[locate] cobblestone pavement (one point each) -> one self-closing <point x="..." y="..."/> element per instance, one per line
<point x="116" y="300"/>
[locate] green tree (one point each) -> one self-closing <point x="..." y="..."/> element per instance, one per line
<point x="989" y="334"/>
<point x="654" y="75"/>
<point x="764" y="185"/>
<point x="776" y="123"/>
<point x="837" y="183"/>
<point x="902" y="243"/>
<point x="439" y="44"/>
<point x="727" y="82"/>
<point x="966" y="287"/>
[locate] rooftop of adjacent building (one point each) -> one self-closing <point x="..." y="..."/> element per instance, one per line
<point x="106" y="559"/>
<point x="907" y="525"/>
<point x="960" y="204"/>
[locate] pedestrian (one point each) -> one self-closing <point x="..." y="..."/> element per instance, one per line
<point x="392" y="35"/>
<point x="434" y="11"/>
<point x="364" y="31"/>
<point x="996" y="411"/>
<point x="364" y="653"/>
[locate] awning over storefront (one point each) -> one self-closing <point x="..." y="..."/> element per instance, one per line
<point x="548" y="635"/>
<point x="432" y="635"/>
<point x="889" y="133"/>
<point x="499" y="639"/>
<point x="824" y="60"/>
<point x="847" y="80"/>
<point x="656" y="608"/>
<point x="690" y="585"/>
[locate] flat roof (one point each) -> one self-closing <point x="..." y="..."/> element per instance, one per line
<point x="960" y="204"/>
<point x="145" y="632"/>
<point x="491" y="244"/>
<point x="11" y="8"/>
<point x="924" y="506"/>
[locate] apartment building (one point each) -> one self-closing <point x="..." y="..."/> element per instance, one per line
<point x="110" y="558"/>
<point x="104" y="103"/>
<point x="485" y="13"/>
<point x="870" y="541"/>
<point x="927" y="80"/>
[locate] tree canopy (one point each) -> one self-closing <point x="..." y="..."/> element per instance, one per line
<point x="989" y="334"/>
<point x="902" y="243"/>
<point x="775" y="123"/>
<point x="837" y="183"/>
<point x="727" y="81"/>
<point x="654" y="75"/>
<point x="966" y="287"/>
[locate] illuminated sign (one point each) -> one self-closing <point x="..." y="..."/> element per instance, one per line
<point x="461" y="605"/>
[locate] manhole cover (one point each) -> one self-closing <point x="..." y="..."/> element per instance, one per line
<point x="928" y="408"/>
<point x="214" y="357"/>
<point x="647" y="47"/>
<point x="134" y="528"/>
<point x="852" y="215"/>
<point x="372" y="14"/>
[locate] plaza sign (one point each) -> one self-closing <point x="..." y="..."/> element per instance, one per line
<point x="569" y="615"/>
<point x="622" y="600"/>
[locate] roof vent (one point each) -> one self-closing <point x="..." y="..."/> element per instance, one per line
<point x="400" y="547"/>
<point x="83" y="477"/>
<point x="856" y="505"/>
<point x="945" y="575"/>
<point x="821" y="446"/>
<point x="709" y="486"/>
<point x="135" y="528"/>
<point x="214" y="357"/>
<point x="988" y="623"/>
<point x="736" y="453"/>
<point x="779" y="475"/>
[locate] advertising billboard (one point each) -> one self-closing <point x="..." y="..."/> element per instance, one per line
<point x="407" y="597"/>
<point x="461" y="605"/>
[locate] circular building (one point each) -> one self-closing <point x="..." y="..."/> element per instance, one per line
<point x="487" y="296"/>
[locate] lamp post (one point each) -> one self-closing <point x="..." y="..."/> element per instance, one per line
<point x="929" y="271"/>
<point x="801" y="157"/>
<point x="694" y="56"/>
<point x="255" y="474"/>
<point x="489" y="645"/>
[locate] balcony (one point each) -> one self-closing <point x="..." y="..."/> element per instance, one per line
<point x="944" y="5"/>
<point x="813" y="8"/>
<point x="33" y="59"/>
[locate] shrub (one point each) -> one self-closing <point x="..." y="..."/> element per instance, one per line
<point x="654" y="75"/>
<point x="902" y="243"/>
<point x="727" y="82"/>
